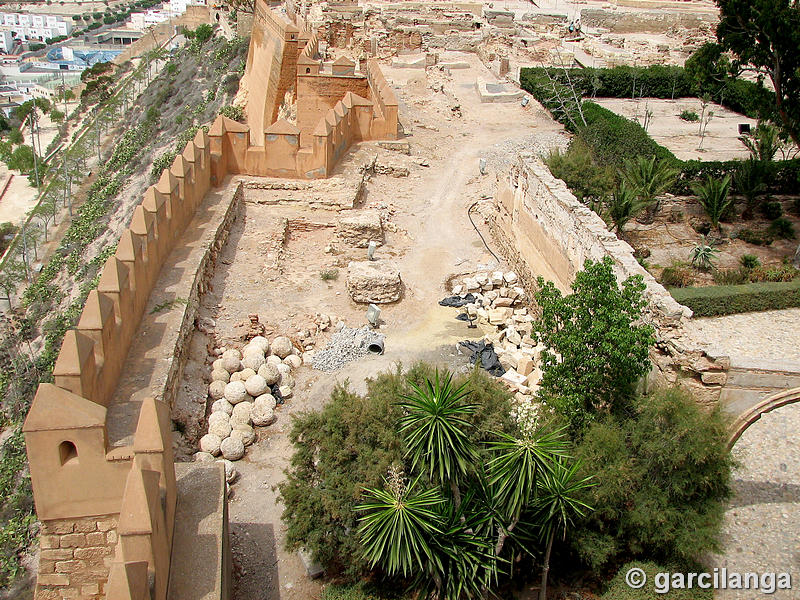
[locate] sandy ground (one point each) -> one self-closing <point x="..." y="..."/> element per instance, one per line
<point x="682" y="137"/>
<point x="429" y="238"/>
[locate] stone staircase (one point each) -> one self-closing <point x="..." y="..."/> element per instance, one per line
<point x="752" y="380"/>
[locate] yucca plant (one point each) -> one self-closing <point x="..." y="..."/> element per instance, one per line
<point x="763" y="142"/>
<point x="713" y="196"/>
<point x="649" y="178"/>
<point x="558" y="503"/>
<point x="435" y="428"/>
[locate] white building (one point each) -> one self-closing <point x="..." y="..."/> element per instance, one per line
<point x="178" y="7"/>
<point x="142" y="20"/>
<point x="28" y="26"/>
<point x="6" y="41"/>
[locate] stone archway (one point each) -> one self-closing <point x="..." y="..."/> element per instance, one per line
<point x="753" y="414"/>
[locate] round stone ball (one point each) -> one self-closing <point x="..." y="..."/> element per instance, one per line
<point x="287" y="380"/>
<point x="273" y="360"/>
<point x="217" y="389"/>
<point x="232" y="353"/>
<point x="281" y="346"/>
<point x="261" y="342"/>
<point x="219" y="417"/>
<point x="244" y="433"/>
<point x="203" y="457"/>
<point x="220" y="375"/>
<point x="231" y="363"/>
<point x="284" y="369"/>
<point x="230" y="471"/>
<point x="235" y="392"/>
<point x="262" y="415"/>
<point x="218" y="364"/>
<point x="232" y="448"/>
<point x="293" y="361"/>
<point x="242" y="413"/>
<point x="210" y="443"/>
<point x="243" y="375"/>
<point x="267" y="400"/>
<point x="256" y="385"/>
<point x="222" y="405"/>
<point x="221" y="429"/>
<point x="253" y="361"/>
<point x="270" y="373"/>
<point x="252" y="350"/>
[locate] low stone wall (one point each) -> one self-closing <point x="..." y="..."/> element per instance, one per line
<point x="652" y="21"/>
<point x="542" y="229"/>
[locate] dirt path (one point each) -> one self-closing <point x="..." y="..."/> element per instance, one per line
<point x="429" y="238"/>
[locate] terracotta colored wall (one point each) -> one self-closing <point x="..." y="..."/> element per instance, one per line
<point x="271" y="68"/>
<point x="317" y="94"/>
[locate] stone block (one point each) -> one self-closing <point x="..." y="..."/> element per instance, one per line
<point x="58" y="527"/>
<point x="57" y="554"/>
<point x="97" y="538"/>
<point x="525" y="367"/>
<point x="70" y="593"/>
<point x="111" y="537"/>
<point x="92" y="553"/>
<point x="49" y="541"/>
<point x="85" y="526"/>
<point x="68" y="566"/>
<point x="503" y="302"/>
<point x="498" y="316"/>
<point x="53" y="579"/>
<point x="514" y="378"/>
<point x="375" y="282"/>
<point x="360" y="229"/>
<point x="105" y="524"/>
<point x="714" y="377"/>
<point x="46" y="566"/>
<point x="90" y="589"/>
<point x="73" y="540"/>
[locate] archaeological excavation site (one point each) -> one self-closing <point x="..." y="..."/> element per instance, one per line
<point x="445" y="300"/>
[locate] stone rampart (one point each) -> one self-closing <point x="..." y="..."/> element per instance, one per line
<point x="543" y="229"/>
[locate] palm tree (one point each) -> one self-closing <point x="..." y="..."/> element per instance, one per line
<point x="435" y="430"/>
<point x="649" y="179"/>
<point x="748" y="180"/>
<point x="623" y="206"/>
<point x="762" y="143"/>
<point x="557" y="504"/>
<point x="713" y="195"/>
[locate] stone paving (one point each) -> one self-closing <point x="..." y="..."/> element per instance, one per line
<point x="760" y="532"/>
<point x="773" y="334"/>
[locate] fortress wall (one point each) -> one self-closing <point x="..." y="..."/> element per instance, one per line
<point x="385" y="123"/>
<point x="543" y="229"/>
<point x="317" y="94"/>
<point x="102" y="506"/>
<point x="271" y="68"/>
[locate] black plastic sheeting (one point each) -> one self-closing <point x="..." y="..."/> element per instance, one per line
<point x="457" y="301"/>
<point x="276" y="393"/>
<point x="483" y="352"/>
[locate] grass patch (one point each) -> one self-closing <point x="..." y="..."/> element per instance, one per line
<point x="732" y="299"/>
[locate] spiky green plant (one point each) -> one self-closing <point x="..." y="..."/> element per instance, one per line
<point x="649" y="178"/>
<point x="763" y="142"/>
<point x="713" y="196"/>
<point x="623" y="206"/>
<point x="703" y="255"/>
<point x="749" y="181"/>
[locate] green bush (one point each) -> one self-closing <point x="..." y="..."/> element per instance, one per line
<point x="677" y="276"/>
<point x="735" y="276"/>
<point x="772" y="209"/>
<point x="663" y="482"/>
<point x="578" y="169"/>
<point x="782" y="228"/>
<point x="348" y="446"/>
<point x="618" y="589"/>
<point x="690" y="116"/>
<point x="727" y="300"/>
<point x="749" y="261"/>
<point x="360" y="591"/>
<point x="757" y="237"/>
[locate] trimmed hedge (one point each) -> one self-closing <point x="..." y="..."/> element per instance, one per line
<point x="731" y="299"/>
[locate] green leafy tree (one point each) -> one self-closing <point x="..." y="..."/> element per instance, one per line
<point x="596" y="349"/>
<point x="764" y="35"/>
<point x="713" y="196"/>
<point x="709" y="68"/>
<point x="623" y="206"/>
<point x="649" y="178"/>
<point x="15" y="136"/>
<point x="662" y="474"/>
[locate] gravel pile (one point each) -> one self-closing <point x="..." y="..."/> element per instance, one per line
<point x="346" y="345"/>
<point x="500" y="155"/>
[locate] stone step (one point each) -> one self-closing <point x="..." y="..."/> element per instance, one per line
<point x="773" y="380"/>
